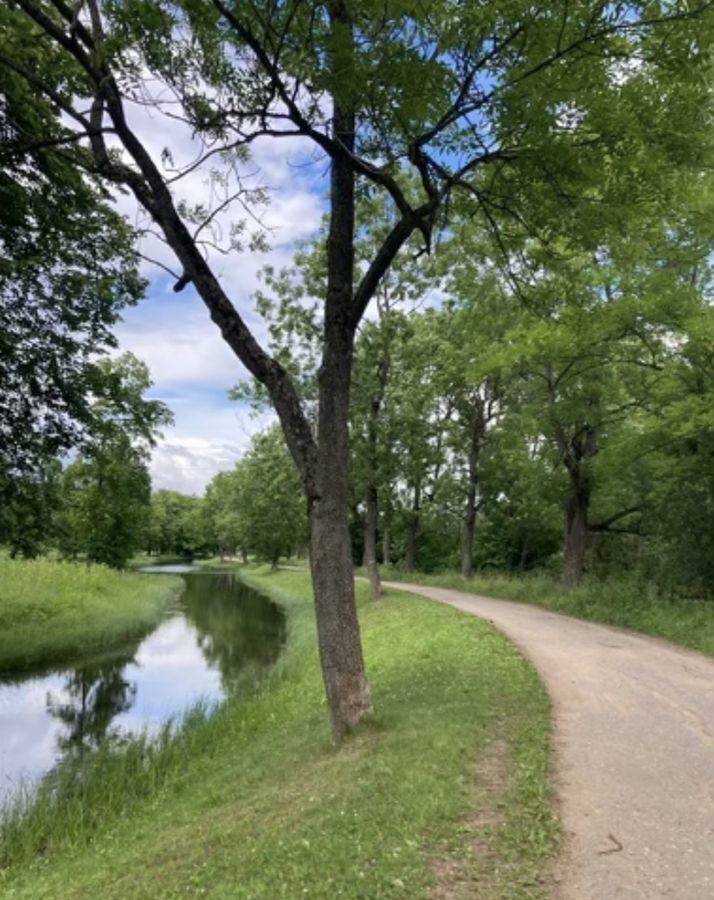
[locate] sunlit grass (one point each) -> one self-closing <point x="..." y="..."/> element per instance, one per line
<point x="51" y="611"/>
<point x="625" y="602"/>
<point x="256" y="801"/>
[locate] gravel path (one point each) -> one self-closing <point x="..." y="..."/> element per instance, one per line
<point x="634" y="752"/>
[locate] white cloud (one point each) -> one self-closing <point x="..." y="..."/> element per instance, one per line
<point x="180" y="344"/>
<point x="191" y="365"/>
<point x="204" y="442"/>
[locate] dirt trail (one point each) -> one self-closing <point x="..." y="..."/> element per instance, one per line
<point x="634" y="752"/>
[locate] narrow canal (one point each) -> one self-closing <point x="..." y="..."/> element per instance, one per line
<point x="218" y="638"/>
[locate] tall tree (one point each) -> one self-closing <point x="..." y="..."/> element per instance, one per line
<point x="28" y="508"/>
<point x="494" y="101"/>
<point x="105" y="493"/>
<point x="67" y="266"/>
<point x="592" y="346"/>
<point x="179" y="525"/>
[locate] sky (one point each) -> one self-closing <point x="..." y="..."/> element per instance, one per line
<point x="191" y="366"/>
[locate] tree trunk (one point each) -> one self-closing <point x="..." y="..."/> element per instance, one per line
<point x="576" y="529"/>
<point x="413" y="531"/>
<point x="370" y="541"/>
<point x="324" y="466"/>
<point x="387" y="542"/>
<point x="523" y="557"/>
<point x="338" y="633"/>
<point x="469" y="525"/>
<point x="372" y="514"/>
<point x="331" y="554"/>
<point x="468" y="534"/>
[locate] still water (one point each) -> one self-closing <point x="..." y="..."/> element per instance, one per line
<point x="219" y="637"/>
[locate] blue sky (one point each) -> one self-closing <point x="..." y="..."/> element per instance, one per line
<point x="192" y="368"/>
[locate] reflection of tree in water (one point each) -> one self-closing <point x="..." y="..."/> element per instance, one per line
<point x="96" y="694"/>
<point x="240" y="632"/>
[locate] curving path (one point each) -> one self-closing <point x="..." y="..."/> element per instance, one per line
<point x="634" y="752"/>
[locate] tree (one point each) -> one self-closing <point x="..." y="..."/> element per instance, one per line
<point x="105" y="493"/>
<point x="67" y="266"/>
<point x="29" y="507"/>
<point x="179" y="525"/>
<point x="470" y="380"/>
<point x="668" y="460"/>
<point x="105" y="504"/>
<point x="227" y="518"/>
<point x="264" y="491"/>
<point x="492" y="103"/>
<point x="600" y="329"/>
<point x="418" y="417"/>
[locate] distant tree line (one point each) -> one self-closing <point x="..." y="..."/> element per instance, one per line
<point x="93" y="502"/>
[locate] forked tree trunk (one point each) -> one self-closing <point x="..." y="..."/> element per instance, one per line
<point x="338" y="633"/>
<point x="576" y="530"/>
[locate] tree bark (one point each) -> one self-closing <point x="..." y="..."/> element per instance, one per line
<point x="576" y="529"/>
<point x="468" y="533"/>
<point x="338" y="632"/>
<point x="413" y="531"/>
<point x="330" y="546"/>
<point x="470" y="509"/>
<point x="370" y="541"/>
<point x="387" y="540"/>
<point x="372" y="515"/>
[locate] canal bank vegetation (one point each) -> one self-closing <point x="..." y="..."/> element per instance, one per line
<point x="447" y="785"/>
<point x="52" y="610"/>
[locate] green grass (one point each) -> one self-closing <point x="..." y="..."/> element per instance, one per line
<point x="143" y="559"/>
<point x="51" y="611"/>
<point x="256" y="802"/>
<point x="627" y="603"/>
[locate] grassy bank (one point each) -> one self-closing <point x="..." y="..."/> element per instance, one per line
<point x="446" y="786"/>
<point x="50" y="611"/>
<point x="622" y="602"/>
<point x="143" y="559"/>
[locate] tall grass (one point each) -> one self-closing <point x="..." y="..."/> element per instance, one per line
<point x="622" y="601"/>
<point x="51" y="611"/>
<point x="86" y="792"/>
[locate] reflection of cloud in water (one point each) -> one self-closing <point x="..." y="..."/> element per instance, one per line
<point x="170" y="674"/>
<point x="138" y="687"/>
<point x="173" y="645"/>
<point x="170" y="650"/>
<point x="28" y="735"/>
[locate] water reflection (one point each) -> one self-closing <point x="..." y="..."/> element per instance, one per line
<point x="92" y="697"/>
<point x="238" y="640"/>
<point x="222" y="638"/>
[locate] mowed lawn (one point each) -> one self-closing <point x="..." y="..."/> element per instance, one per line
<point x="625" y="602"/>
<point x="444" y="794"/>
